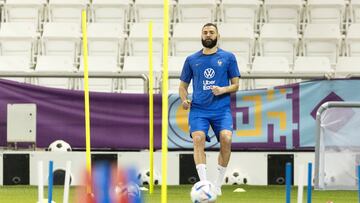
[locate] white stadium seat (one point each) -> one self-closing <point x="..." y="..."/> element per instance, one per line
<point x="111" y="11"/>
<point x="17" y="63"/>
<point x="145" y="10"/>
<point x="139" y="37"/>
<point x="244" y="11"/>
<point x="50" y="64"/>
<point x="18" y="39"/>
<point x="196" y="11"/>
<point x="186" y="38"/>
<point x="66" y="10"/>
<point x="106" y="39"/>
<point x="18" y="43"/>
<point x="237" y="38"/>
<point x="61" y="39"/>
<point x="138" y="65"/>
<point x="354" y="14"/>
<point x="279" y="40"/>
<point x="352" y="40"/>
<point x="280" y="11"/>
<point x="244" y="68"/>
<point x="322" y="40"/>
<point x="24" y="11"/>
<point x="176" y="64"/>
<point x="263" y="65"/>
<point x="348" y="67"/>
<point x="105" y="64"/>
<point x="312" y="66"/>
<point x="325" y="11"/>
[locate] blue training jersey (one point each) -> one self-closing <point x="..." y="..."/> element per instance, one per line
<point x="206" y="71"/>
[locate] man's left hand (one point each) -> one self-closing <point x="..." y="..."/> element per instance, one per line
<point x="216" y="90"/>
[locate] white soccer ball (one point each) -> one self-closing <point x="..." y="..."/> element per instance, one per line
<point x="144" y="177"/>
<point x="235" y="177"/>
<point x="59" y="146"/>
<point x="203" y="192"/>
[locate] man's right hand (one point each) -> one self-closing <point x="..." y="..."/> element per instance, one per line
<point x="186" y="104"/>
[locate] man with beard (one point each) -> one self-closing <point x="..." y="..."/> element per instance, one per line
<point x="210" y="70"/>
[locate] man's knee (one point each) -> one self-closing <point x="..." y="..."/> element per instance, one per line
<point x="225" y="137"/>
<point x="198" y="137"/>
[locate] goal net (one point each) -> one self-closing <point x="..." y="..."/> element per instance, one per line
<point x="337" y="151"/>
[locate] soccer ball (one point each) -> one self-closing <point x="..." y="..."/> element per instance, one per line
<point x="236" y="178"/>
<point x="144" y="177"/>
<point x="59" y="146"/>
<point x="233" y="178"/>
<point x="203" y="192"/>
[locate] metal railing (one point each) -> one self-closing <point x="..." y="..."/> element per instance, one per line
<point x="80" y="74"/>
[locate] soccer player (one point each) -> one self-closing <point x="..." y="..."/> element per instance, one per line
<point x="210" y="70"/>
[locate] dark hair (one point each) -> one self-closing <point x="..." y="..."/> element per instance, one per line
<point x="210" y="24"/>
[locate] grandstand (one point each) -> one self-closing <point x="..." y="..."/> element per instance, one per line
<point x="293" y="56"/>
<point x="292" y="30"/>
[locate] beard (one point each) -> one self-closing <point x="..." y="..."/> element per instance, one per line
<point x="209" y="43"/>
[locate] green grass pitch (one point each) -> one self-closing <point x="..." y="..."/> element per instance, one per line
<point x="181" y="194"/>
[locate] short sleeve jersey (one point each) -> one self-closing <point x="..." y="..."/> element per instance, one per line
<point x="206" y="71"/>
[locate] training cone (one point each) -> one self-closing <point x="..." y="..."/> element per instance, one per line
<point x="46" y="201"/>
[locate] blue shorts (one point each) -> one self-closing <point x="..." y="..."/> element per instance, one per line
<point x="201" y="120"/>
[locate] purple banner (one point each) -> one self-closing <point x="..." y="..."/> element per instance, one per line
<point x="118" y="121"/>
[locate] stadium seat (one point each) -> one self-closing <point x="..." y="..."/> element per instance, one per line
<point x="176" y="64"/>
<point x="354" y="11"/>
<point x="51" y="64"/>
<point x="185" y="42"/>
<point x="145" y="10"/>
<point x="325" y="11"/>
<point x="24" y="11"/>
<point x="66" y="10"/>
<point x="244" y="68"/>
<point x="280" y="11"/>
<point x="245" y="11"/>
<point x="138" y="65"/>
<point x="348" y="67"/>
<point x="104" y="64"/>
<point x="196" y="11"/>
<point x="322" y="40"/>
<point x="315" y="66"/>
<point x="16" y="63"/>
<point x="264" y="65"/>
<point x="139" y="37"/>
<point x="18" y="39"/>
<point x="106" y="39"/>
<point x="279" y="40"/>
<point x="237" y="38"/>
<point x="111" y="11"/>
<point x="61" y="39"/>
<point x="352" y="40"/>
<point x="18" y="46"/>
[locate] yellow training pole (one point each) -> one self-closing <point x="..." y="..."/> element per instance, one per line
<point x="164" y="130"/>
<point x="86" y="96"/>
<point x="151" y="110"/>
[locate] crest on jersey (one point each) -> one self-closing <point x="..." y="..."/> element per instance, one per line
<point x="219" y="62"/>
